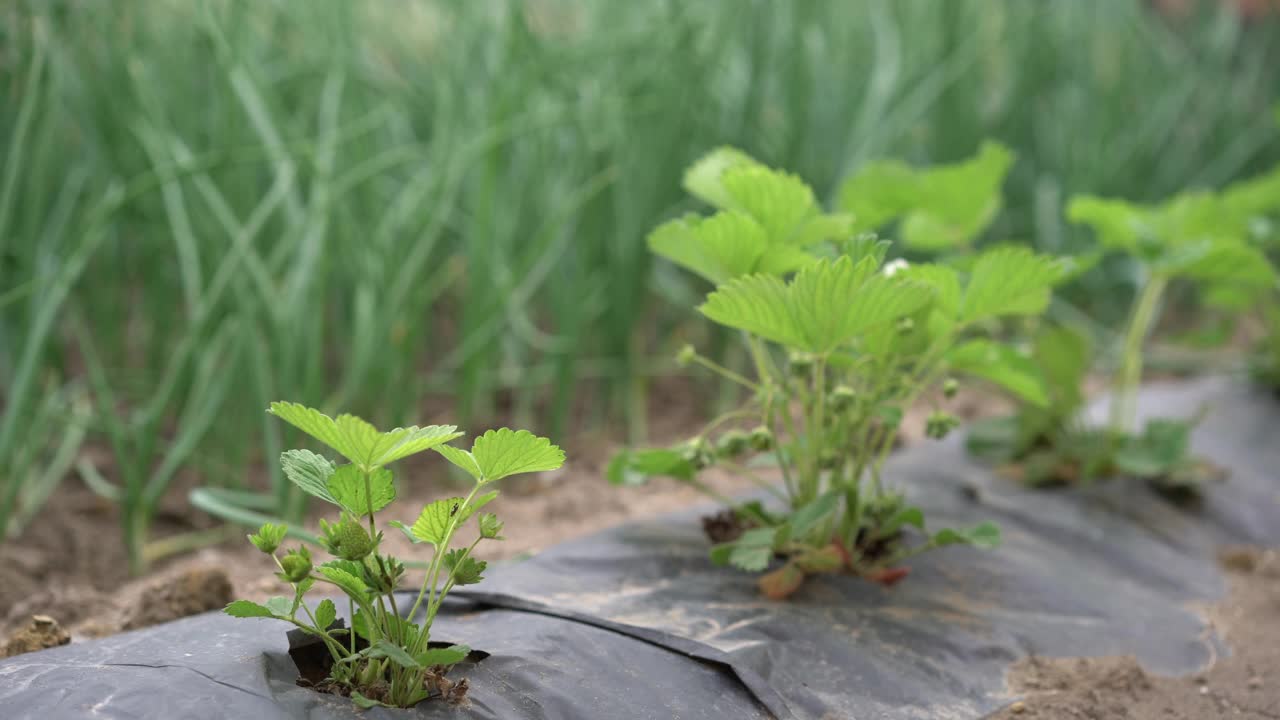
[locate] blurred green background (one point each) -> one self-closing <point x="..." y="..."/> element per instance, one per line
<point x="426" y="210"/>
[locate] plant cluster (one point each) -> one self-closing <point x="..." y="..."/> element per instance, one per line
<point x="1212" y="241"/>
<point x="841" y="344"/>
<point x="384" y="657"/>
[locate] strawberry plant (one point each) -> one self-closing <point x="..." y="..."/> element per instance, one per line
<point x="385" y="658"/>
<point x="1053" y="444"/>
<point x="1201" y="238"/>
<point x="1212" y="241"/>
<point x="841" y="345"/>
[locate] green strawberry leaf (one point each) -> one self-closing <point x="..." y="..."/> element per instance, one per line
<point x="347" y="486"/>
<point x="433" y="522"/>
<point x="280" y="606"/>
<point x="365" y="703"/>
<point x="635" y="467"/>
<point x="326" y="613"/>
<point x="504" y="452"/>
<point x="983" y="535"/>
<point x="461" y="458"/>
<point x="779" y="201"/>
<point x="878" y="193"/>
<point x="1009" y="281"/>
<point x="1002" y="365"/>
<point x="400" y="443"/>
<point x="703" y="178"/>
<point x="444" y="656"/>
<point x="346" y="581"/>
<point x="247" y="609"/>
<point x="1162" y="447"/>
<point x="826" y="305"/>
<point x="723" y="246"/>
<point x="464" y="569"/>
<point x="751" y="552"/>
<point x="394" y="653"/>
<point x="807" y="517"/>
<point x="909" y="515"/>
<point x="308" y="471"/>
<point x="357" y="440"/>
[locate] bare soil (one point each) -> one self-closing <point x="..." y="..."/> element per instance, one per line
<point x="1244" y="684"/>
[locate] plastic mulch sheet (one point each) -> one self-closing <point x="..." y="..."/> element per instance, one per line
<point x="635" y="622"/>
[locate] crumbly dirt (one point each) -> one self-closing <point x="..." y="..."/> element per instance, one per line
<point x="42" y="632"/>
<point x="1245" y="684"/>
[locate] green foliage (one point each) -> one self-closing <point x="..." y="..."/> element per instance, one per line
<point x="394" y="665"/>
<point x="360" y="442"/>
<point x="841" y="347"/>
<point x="826" y="305"/>
<point x="944" y="207"/>
<point x="503" y="452"/>
<point x="1049" y="443"/>
<point x="1208" y="239"/>
<point x="281" y="190"/>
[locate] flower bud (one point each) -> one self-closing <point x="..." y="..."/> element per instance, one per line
<point x="799" y="363"/>
<point x="296" y="565"/>
<point x="698" y="452"/>
<point x="939" y="424"/>
<point x="733" y="443"/>
<point x="686" y="356"/>
<point x="268" y="537"/>
<point x="842" y="398"/>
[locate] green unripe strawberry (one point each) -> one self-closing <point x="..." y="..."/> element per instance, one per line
<point x="347" y="539"/>
<point x="950" y="388"/>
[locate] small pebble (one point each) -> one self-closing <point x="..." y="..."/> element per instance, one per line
<point x="1204" y="689"/>
<point x="1018" y="708"/>
<point x="1255" y="683"/>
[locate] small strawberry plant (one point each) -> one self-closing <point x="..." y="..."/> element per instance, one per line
<point x="1053" y="444"/>
<point x="385" y="658"/>
<point x="841" y="344"/>
<point x="1213" y="242"/>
